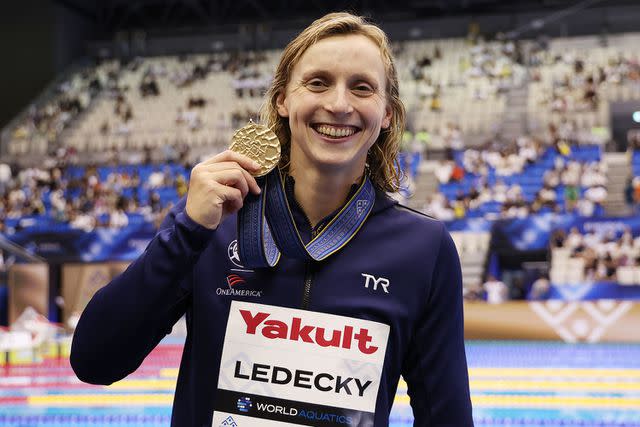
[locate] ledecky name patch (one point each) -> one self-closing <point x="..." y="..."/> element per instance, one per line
<point x="282" y="366"/>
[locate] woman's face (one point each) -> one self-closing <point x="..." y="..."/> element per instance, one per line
<point x="336" y="105"/>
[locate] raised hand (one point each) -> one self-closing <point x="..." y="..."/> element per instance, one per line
<point x="218" y="186"/>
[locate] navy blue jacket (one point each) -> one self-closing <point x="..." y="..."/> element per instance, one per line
<point x="185" y="265"/>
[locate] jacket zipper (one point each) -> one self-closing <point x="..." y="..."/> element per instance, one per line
<point x="308" y="268"/>
<point x="308" y="277"/>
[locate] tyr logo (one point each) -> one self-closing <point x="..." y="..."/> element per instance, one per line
<point x="376" y="281"/>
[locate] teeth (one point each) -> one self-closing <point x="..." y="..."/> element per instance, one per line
<point x="335" y="132"/>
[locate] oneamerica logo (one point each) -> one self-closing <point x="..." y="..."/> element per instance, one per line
<point x="239" y="292"/>
<point x="345" y="338"/>
<point x="233" y="280"/>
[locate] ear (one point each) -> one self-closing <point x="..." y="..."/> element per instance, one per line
<point x="283" y="111"/>
<point x="386" y="120"/>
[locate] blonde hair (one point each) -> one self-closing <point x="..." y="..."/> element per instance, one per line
<point x="382" y="156"/>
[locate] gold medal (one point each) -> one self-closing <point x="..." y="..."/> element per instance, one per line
<point x="260" y="144"/>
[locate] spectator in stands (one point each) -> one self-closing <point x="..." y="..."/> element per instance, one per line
<point x="633" y="140"/>
<point x="473" y="292"/>
<point x="496" y="290"/>
<point x="196" y="102"/>
<point x="547" y="196"/>
<point x="118" y="218"/>
<point x="180" y="117"/>
<point x="436" y="102"/>
<point x="500" y="191"/>
<point x="156" y="179"/>
<point x="452" y="136"/>
<point x="606" y="269"/>
<point x="5" y="177"/>
<point x="517" y="289"/>
<point x="443" y="171"/>
<point x="181" y="186"/>
<point x="457" y="173"/>
<point x="636" y="192"/>
<point x="571" y="197"/>
<point x="460" y="208"/>
<point x="149" y="86"/>
<point x="484" y="195"/>
<point x="83" y="220"/>
<point x="551" y="178"/>
<point x="439" y="207"/>
<point x="585" y="207"/>
<point x="574" y="239"/>
<point x="105" y="128"/>
<point x="590" y="94"/>
<point x="558" y="238"/>
<point x="597" y="195"/>
<point x="629" y="194"/>
<point x="540" y="288"/>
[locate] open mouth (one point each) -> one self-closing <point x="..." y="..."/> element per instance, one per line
<point x="335" y="131"/>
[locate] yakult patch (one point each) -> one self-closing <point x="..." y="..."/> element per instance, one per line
<point x="298" y="367"/>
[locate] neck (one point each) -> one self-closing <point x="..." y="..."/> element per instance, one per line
<point x="320" y="194"/>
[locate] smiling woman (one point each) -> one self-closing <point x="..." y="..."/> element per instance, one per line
<point x="357" y="290"/>
<point x="336" y="105"/>
<point x="295" y="70"/>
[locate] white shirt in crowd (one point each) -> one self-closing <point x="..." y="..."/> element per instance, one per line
<point x="497" y="291"/>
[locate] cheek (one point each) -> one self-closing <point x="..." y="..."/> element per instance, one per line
<point x="299" y="114"/>
<point x="376" y="113"/>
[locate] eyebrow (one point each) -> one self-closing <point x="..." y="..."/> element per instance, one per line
<point x="367" y="77"/>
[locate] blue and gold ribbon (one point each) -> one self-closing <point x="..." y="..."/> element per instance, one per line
<point x="266" y="227"/>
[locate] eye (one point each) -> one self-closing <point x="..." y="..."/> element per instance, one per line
<point x="363" y="89"/>
<point x="316" y="85"/>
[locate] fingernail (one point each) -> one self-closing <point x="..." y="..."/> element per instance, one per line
<point x="255" y="164"/>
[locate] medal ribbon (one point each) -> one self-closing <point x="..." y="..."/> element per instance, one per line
<point x="260" y="242"/>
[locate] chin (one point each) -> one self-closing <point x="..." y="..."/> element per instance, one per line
<point x="339" y="164"/>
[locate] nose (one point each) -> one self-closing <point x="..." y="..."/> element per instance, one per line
<point x="338" y="101"/>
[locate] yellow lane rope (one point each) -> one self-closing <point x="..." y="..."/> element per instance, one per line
<point x="539" y="402"/>
<point x="102" y="400"/>
<point x="554" y="372"/>
<point x="519" y="385"/>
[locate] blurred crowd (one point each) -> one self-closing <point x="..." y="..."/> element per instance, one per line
<point x="568" y="186"/>
<point x="78" y="196"/>
<point x="579" y="87"/>
<point x="602" y="253"/>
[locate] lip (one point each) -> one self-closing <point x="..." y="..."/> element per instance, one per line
<point x="331" y="140"/>
<point x="334" y="140"/>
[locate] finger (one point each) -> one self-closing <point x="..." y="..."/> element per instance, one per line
<point x="238" y="178"/>
<point x="228" y="166"/>
<point x="234" y="205"/>
<point x="252" y="183"/>
<point x="229" y="155"/>
<point x="233" y="178"/>
<point x="230" y="196"/>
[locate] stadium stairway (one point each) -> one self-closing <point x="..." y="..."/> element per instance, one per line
<point x="473" y="248"/>
<point x="426" y="184"/>
<point x="514" y="121"/>
<point x="618" y="170"/>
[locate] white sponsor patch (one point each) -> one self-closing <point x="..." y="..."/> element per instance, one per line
<point x="300" y="358"/>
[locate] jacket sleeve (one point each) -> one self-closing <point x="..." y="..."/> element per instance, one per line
<point x="127" y="318"/>
<point x="435" y="368"/>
